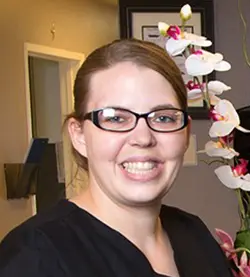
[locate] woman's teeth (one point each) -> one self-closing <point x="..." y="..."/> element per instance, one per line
<point x="139" y="167"/>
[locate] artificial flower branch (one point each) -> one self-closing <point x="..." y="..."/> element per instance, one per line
<point x="232" y="171"/>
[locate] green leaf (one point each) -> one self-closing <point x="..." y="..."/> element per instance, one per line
<point x="242" y="241"/>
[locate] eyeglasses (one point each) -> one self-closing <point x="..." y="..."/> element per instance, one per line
<point x="122" y="120"/>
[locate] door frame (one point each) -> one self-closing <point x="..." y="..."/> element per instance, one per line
<point x="69" y="63"/>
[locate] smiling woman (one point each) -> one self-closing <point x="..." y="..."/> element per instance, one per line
<point x="130" y="130"/>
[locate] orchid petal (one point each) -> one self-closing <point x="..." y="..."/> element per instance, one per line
<point x="201" y="43"/>
<point x="198" y="40"/>
<point x="221" y="129"/>
<point x="243" y="267"/>
<point x="245" y="182"/>
<point x="225" y="175"/>
<point x="227" y="110"/>
<point x="214" y="100"/>
<point x="217" y="87"/>
<point x="225" y="238"/>
<point x="243" y="259"/>
<point x="245" y="271"/>
<point x="242" y="129"/>
<point x="231" y="154"/>
<point x="226" y="153"/>
<point x="214" y="150"/>
<point x="194" y="94"/>
<point x="197" y="67"/>
<point x="191" y="36"/>
<point x="214" y="58"/>
<point x="176" y="47"/>
<point x="222" y="66"/>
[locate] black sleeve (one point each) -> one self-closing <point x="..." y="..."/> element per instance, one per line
<point x="213" y="249"/>
<point x="29" y="254"/>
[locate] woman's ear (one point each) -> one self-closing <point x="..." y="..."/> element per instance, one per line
<point x="75" y="129"/>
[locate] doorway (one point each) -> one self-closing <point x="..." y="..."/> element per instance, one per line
<point x="49" y="75"/>
<point x="45" y="99"/>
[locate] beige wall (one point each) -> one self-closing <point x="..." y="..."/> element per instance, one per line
<point x="81" y="25"/>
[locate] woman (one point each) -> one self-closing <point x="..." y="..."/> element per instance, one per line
<point x="130" y="129"/>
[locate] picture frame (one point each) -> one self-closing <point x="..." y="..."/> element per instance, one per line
<point x="141" y="22"/>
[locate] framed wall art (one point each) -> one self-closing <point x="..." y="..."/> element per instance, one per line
<point x="141" y="22"/>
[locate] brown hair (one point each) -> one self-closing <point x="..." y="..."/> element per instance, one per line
<point x="139" y="52"/>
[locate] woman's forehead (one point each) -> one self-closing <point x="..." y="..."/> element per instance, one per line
<point x="127" y="84"/>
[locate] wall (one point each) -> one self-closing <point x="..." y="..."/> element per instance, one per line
<point x="81" y="26"/>
<point x="197" y="188"/>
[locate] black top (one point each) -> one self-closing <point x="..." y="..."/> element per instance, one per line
<point x="70" y="242"/>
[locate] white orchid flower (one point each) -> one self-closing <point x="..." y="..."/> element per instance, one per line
<point x="217" y="149"/>
<point x="227" y="119"/>
<point x="176" y="46"/>
<point x="232" y="181"/>
<point x="204" y="62"/>
<point x="214" y="88"/>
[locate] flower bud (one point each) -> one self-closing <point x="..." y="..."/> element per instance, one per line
<point x="163" y="28"/>
<point x="186" y="12"/>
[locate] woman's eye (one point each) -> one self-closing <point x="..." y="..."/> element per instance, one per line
<point x="115" y="119"/>
<point x="164" y="119"/>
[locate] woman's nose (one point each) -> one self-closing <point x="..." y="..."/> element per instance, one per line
<point x="142" y="135"/>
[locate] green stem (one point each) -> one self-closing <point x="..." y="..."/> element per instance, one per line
<point x="248" y="202"/>
<point x="241" y="207"/>
<point x="214" y="161"/>
<point x="207" y="98"/>
<point x="204" y="92"/>
<point x="242" y="249"/>
<point x="183" y="23"/>
<point x="244" y="38"/>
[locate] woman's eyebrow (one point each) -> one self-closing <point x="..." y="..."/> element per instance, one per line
<point x="158" y="107"/>
<point x="163" y="106"/>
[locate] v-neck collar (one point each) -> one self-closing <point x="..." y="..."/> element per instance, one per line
<point x="190" y="258"/>
<point x="142" y="266"/>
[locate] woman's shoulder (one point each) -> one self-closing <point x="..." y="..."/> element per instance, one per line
<point x="178" y="221"/>
<point x="175" y="215"/>
<point x="187" y="231"/>
<point x="60" y="212"/>
<point x="32" y="240"/>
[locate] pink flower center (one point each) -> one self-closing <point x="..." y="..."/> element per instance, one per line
<point x="192" y="85"/>
<point x="240" y="169"/>
<point x="197" y="52"/>
<point x="174" y="32"/>
<point x="215" y="116"/>
<point x="227" y="139"/>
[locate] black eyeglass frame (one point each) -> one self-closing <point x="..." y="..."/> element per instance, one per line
<point x="93" y="116"/>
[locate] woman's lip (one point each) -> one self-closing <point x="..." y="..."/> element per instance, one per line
<point x="142" y="159"/>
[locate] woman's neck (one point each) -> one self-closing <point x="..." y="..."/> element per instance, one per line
<point x="140" y="224"/>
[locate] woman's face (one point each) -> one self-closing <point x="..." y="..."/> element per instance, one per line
<point x="139" y="166"/>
